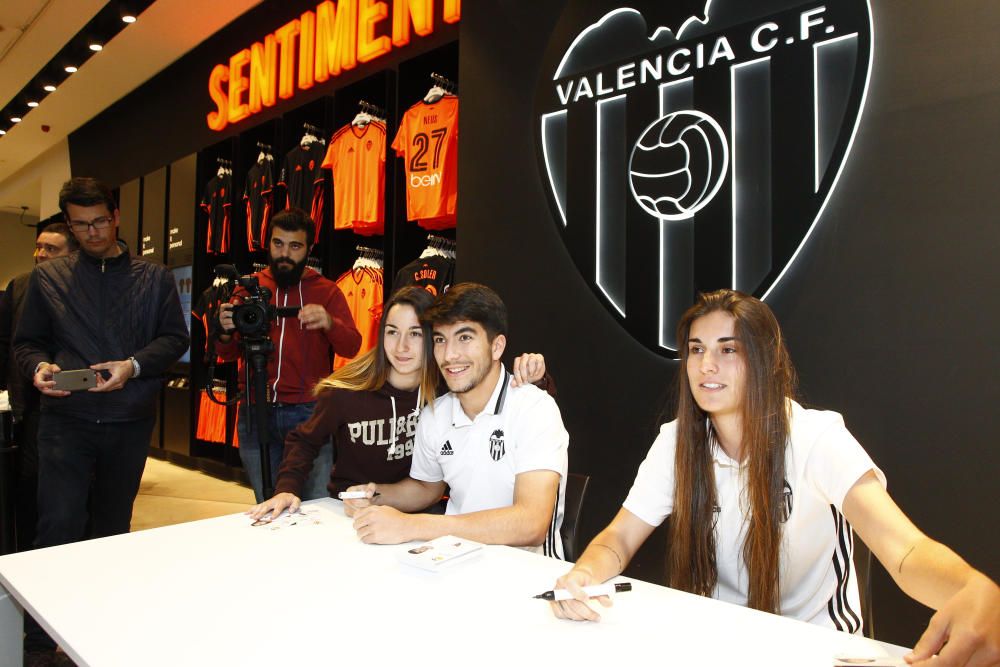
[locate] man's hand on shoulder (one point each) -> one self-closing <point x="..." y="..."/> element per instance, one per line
<point x="44" y="381"/>
<point x="314" y="316"/>
<point x="528" y="368"/>
<point x="120" y="372"/>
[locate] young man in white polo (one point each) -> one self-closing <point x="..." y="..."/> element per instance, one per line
<point x="501" y="451"/>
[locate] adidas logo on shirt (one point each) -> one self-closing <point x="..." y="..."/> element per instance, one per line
<point x="446" y="449"/>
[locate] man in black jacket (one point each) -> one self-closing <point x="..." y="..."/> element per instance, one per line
<point x="55" y="240"/>
<point x="103" y="310"/>
<point x="120" y="316"/>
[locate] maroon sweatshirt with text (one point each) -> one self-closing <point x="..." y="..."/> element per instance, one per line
<point x="372" y="431"/>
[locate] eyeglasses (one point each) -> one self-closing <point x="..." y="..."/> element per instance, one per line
<point x="97" y="223"/>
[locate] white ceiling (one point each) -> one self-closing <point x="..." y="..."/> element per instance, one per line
<point x="33" y="31"/>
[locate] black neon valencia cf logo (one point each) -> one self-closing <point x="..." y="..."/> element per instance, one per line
<point x="693" y="145"/>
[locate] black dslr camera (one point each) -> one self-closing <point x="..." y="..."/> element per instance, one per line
<point x="253" y="317"/>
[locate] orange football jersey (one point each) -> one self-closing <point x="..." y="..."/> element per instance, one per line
<point x="363" y="290"/>
<point x="428" y="141"/>
<point x="357" y="158"/>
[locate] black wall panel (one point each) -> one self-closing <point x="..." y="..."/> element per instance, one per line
<point x="129" y="197"/>
<point x="152" y="242"/>
<point x="181" y="211"/>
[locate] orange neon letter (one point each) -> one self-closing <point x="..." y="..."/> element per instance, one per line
<point x="371" y="47"/>
<point x="421" y="12"/>
<point x="336" y="38"/>
<point x="238" y="83"/>
<point x="307" y="50"/>
<point x="285" y="36"/>
<point x="263" y="73"/>
<point x="452" y="11"/>
<point x="217" y="120"/>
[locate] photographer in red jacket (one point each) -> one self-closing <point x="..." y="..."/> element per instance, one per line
<point x="303" y="347"/>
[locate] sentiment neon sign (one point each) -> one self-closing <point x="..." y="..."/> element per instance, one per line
<point x="317" y="46"/>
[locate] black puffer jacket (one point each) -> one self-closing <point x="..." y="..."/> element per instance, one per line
<point x="23" y="396"/>
<point x="81" y="311"/>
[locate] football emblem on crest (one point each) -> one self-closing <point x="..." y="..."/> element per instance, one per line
<point x="678" y="165"/>
<point x="694" y="145"/>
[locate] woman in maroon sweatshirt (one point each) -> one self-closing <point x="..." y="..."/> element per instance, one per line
<point x="370" y="407"/>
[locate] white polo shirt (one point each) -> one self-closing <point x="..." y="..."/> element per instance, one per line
<point x="817" y="580"/>
<point x="520" y="430"/>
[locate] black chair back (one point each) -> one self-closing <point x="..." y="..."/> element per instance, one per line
<point x="576" y="490"/>
<point x="863" y="567"/>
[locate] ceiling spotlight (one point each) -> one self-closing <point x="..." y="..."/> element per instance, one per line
<point x="15" y="119"/>
<point x="49" y="88"/>
<point x="3" y="132"/>
<point x="70" y="68"/>
<point x="32" y="104"/>
<point x="127" y="11"/>
<point x="96" y="47"/>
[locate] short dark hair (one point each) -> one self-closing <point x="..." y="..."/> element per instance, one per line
<point x="293" y="220"/>
<point x="82" y="191"/>
<point x="62" y="228"/>
<point x="470" y="302"/>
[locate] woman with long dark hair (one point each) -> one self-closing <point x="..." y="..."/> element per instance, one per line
<point x="370" y="407"/>
<point x="762" y="495"/>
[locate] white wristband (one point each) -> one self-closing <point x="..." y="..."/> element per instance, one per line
<point x="135" y="367"/>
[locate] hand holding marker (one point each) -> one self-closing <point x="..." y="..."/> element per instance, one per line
<point x="356" y="495"/>
<point x="591" y="591"/>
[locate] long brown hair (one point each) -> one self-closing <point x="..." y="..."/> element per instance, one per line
<point x="770" y="381"/>
<point x="370" y="371"/>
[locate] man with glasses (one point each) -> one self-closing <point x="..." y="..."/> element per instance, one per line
<point x="118" y="316"/>
<point x="55" y="240"/>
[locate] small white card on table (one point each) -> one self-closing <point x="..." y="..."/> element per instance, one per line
<point x="440" y="552"/>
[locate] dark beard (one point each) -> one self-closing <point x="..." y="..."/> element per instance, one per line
<point x="284" y="276"/>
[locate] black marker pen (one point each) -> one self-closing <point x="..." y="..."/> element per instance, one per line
<point x="591" y="591"/>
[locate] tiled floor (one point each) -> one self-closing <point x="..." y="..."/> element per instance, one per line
<point x="171" y="494"/>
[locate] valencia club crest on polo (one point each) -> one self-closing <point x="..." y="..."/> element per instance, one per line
<point x="496" y="445"/>
<point x="693" y="145"/>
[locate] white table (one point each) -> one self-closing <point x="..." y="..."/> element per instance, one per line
<point x="220" y="592"/>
